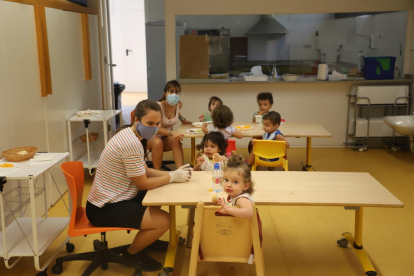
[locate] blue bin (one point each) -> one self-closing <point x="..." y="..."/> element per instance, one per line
<point x="379" y="68"/>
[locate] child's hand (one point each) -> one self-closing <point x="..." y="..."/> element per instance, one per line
<point x="224" y="208"/>
<point x="204" y="125"/>
<point x="201" y="118"/>
<point x="200" y="160"/>
<point x="216" y="157"/>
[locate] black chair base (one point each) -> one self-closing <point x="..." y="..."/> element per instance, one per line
<point x="100" y="257"/>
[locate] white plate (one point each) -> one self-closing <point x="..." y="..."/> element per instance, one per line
<point x="200" y="124"/>
<point x="243" y="129"/>
<point x="9" y="169"/>
<point x="194" y="131"/>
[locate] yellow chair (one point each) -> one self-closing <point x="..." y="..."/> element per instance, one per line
<point x="269" y="149"/>
<point x="219" y="238"/>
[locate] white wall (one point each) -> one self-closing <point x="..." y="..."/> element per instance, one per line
<point x="26" y="117"/>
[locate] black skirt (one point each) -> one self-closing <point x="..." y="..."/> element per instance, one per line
<point x="127" y="213"/>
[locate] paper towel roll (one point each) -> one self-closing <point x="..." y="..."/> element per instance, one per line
<point x="374" y="41"/>
<point x="322" y="72"/>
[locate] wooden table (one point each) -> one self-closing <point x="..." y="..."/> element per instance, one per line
<point x="354" y="191"/>
<point x="291" y="129"/>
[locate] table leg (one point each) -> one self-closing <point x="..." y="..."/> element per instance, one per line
<point x="192" y="150"/>
<point x="172" y="247"/>
<point x="308" y="165"/>
<point x="357" y="244"/>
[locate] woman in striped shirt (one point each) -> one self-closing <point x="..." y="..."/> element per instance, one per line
<point x="121" y="181"/>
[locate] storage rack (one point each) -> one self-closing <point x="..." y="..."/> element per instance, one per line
<point x="370" y="100"/>
<point x="90" y="159"/>
<point x="22" y="236"/>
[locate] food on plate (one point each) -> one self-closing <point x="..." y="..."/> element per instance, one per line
<point x="243" y="127"/>
<point x="22" y="152"/>
<point x="7" y="165"/>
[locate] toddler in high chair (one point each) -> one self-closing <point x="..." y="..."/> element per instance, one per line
<point x="212" y="104"/>
<point x="222" y="118"/>
<point x="238" y="185"/>
<point x="214" y="148"/>
<point x="271" y="123"/>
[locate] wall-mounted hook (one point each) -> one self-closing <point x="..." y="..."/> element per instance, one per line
<point x="127" y="51"/>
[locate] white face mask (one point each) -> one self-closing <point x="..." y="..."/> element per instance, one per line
<point x="172" y="99"/>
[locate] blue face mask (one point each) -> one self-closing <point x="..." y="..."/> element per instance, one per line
<point x="147" y="132"/>
<point x="173" y="99"/>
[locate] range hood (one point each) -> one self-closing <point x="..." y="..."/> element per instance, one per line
<point x="267" y="25"/>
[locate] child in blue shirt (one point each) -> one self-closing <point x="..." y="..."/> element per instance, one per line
<point x="271" y="123"/>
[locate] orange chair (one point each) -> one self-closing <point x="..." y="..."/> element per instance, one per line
<point x="79" y="225"/>
<point x="149" y="163"/>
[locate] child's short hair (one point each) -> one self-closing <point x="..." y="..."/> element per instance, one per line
<point x="217" y="138"/>
<point x="214" y="99"/>
<point x="273" y="117"/>
<point x="265" y="96"/>
<point x="236" y="162"/>
<point x="222" y="116"/>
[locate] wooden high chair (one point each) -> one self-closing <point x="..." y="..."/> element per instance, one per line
<point x="222" y="238"/>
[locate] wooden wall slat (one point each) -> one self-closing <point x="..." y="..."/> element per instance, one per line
<point x="86" y="46"/>
<point x="40" y="20"/>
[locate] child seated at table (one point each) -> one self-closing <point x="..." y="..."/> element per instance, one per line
<point x="271" y="123"/>
<point x="213" y="103"/>
<point x="222" y="118"/>
<point x="214" y="148"/>
<point x="238" y="185"/>
<point x="265" y="103"/>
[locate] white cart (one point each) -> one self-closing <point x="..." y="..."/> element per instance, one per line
<point x="90" y="159"/>
<point x="28" y="236"/>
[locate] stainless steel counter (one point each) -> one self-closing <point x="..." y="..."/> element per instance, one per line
<point x="304" y="79"/>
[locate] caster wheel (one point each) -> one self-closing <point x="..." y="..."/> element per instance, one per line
<point x="70" y="247"/>
<point x="164" y="274"/>
<point x="371" y="273"/>
<point x="42" y="273"/>
<point x="342" y="242"/>
<point x="181" y="241"/>
<point x="104" y="266"/>
<point x="57" y="269"/>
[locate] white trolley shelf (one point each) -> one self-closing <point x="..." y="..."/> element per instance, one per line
<point x="28" y="236"/>
<point x="90" y="159"/>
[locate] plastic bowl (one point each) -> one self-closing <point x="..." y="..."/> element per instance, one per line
<point x="290" y="77"/>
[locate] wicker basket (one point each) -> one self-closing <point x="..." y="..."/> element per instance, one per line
<point x="12" y="156"/>
<point x="92" y="137"/>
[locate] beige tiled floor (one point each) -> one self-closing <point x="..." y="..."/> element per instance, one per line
<point x="300" y="240"/>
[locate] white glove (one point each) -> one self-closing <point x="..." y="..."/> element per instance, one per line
<point x="182" y="174"/>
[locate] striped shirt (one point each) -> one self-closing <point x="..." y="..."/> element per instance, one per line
<point x="122" y="158"/>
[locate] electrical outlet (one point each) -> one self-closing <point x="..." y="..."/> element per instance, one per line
<point x="307" y="46"/>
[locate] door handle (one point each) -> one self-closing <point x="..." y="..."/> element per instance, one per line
<point x="113" y="65"/>
<point x="127" y="51"/>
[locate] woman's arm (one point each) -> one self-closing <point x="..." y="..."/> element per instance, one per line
<point x="148" y="182"/>
<point x="245" y="209"/>
<point x="280" y="137"/>
<point x="182" y="118"/>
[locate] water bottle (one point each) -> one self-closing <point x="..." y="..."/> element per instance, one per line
<point x="217" y="176"/>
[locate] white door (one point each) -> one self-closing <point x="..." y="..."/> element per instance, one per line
<point x="128" y="44"/>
